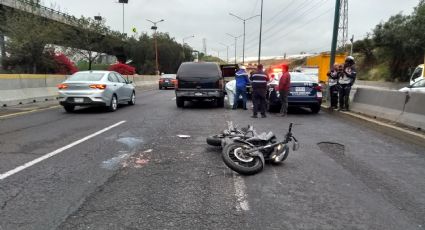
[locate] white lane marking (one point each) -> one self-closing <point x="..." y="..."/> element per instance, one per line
<point x="240" y="193"/>
<point x="42" y="158"/>
<point x="173" y="99"/>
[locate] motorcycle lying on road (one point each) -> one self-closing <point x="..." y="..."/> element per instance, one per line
<point x="230" y="133"/>
<point x="248" y="156"/>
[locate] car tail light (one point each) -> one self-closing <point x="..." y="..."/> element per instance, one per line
<point x="318" y="88"/>
<point x="174" y="81"/>
<point x="176" y="84"/>
<point x="221" y="84"/>
<point x="62" y="86"/>
<point x="161" y="80"/>
<point x="98" y="86"/>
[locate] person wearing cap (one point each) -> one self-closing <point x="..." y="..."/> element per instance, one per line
<point x="346" y="81"/>
<point x="284" y="86"/>
<point x="259" y="91"/>
<point x="242" y="81"/>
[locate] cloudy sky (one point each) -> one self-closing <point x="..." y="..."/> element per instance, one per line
<point x="289" y="26"/>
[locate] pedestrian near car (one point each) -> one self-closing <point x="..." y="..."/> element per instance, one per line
<point x="346" y="81"/>
<point x="242" y="81"/>
<point x="284" y="86"/>
<point x="259" y="91"/>
<point x="333" y="84"/>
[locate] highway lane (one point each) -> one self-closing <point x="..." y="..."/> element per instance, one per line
<point x="140" y="175"/>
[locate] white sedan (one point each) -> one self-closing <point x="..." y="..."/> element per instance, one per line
<point x="417" y="87"/>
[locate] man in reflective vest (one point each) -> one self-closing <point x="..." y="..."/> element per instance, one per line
<point x="346" y="81"/>
<point x="259" y="91"/>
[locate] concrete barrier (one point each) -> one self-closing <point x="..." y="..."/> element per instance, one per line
<point x="26" y="88"/>
<point x="392" y="105"/>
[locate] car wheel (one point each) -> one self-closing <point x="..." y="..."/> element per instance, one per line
<point x="114" y="104"/>
<point x="69" y="108"/>
<point x="132" y="99"/>
<point x="160" y="87"/>
<point x="220" y="102"/>
<point x="180" y="102"/>
<point x="315" y="108"/>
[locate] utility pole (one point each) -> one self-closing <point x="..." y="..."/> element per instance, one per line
<point x="236" y="44"/>
<point x="352" y="44"/>
<point x="123" y="24"/>
<point x="261" y="31"/>
<point x="154" y="28"/>
<point x="244" y="33"/>
<point x="227" y="51"/>
<point x="335" y="32"/>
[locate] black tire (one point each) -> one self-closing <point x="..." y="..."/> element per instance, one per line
<point x="220" y="102"/>
<point x="113" y="106"/>
<point x="179" y="102"/>
<point x="315" y="108"/>
<point x="214" y="140"/>
<point x="244" y="168"/>
<point x="69" y="108"/>
<point x="160" y="87"/>
<point x="132" y="100"/>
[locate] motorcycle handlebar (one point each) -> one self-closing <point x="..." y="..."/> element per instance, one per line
<point x="290" y="127"/>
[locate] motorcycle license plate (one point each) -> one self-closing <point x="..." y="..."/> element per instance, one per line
<point x="79" y="100"/>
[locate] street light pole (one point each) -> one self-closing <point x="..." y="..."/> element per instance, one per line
<point x="236" y="44"/>
<point x="154" y="28"/>
<point x="188" y="37"/>
<point x="227" y="51"/>
<point x="261" y="31"/>
<point x="244" y="33"/>
<point x="123" y="19"/>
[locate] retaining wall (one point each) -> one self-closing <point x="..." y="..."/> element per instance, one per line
<point x="26" y="88"/>
<point x="392" y="105"/>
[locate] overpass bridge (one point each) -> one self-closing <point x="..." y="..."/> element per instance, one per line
<point x="53" y="16"/>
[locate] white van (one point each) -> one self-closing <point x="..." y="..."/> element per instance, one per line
<point x="417" y="75"/>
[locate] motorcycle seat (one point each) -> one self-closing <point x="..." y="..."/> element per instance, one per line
<point x="262" y="137"/>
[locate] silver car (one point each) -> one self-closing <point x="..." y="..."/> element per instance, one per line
<point x="96" y="88"/>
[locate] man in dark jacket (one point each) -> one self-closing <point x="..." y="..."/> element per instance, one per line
<point x="334" y="76"/>
<point x="241" y="82"/>
<point x="259" y="91"/>
<point x="346" y="81"/>
<point x="284" y="86"/>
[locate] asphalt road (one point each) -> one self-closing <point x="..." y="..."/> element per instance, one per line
<point x="129" y="170"/>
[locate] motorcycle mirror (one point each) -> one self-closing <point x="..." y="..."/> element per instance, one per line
<point x="295" y="146"/>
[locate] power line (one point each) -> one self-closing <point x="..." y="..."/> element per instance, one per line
<point x="306" y="23"/>
<point x="314" y="7"/>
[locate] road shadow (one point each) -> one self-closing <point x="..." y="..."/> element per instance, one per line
<point x="95" y="109"/>
<point x="201" y="105"/>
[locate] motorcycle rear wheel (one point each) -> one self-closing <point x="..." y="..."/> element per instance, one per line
<point x="245" y="165"/>
<point x="214" y="140"/>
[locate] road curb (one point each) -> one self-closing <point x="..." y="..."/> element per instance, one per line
<point x="404" y="134"/>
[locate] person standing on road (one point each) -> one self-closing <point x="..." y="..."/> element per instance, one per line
<point x="231" y="91"/>
<point x="346" y="81"/>
<point x="259" y="90"/>
<point x="334" y="75"/>
<point x="241" y="82"/>
<point x="284" y="86"/>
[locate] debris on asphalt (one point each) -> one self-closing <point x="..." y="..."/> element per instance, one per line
<point x="183" y="136"/>
<point x="148" y="151"/>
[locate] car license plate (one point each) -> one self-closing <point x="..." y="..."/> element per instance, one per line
<point x="299" y="89"/>
<point x="198" y="94"/>
<point x="79" y="100"/>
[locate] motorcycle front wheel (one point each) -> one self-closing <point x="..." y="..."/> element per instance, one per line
<point x="235" y="159"/>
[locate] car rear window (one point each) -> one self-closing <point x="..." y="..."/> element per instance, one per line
<point x="86" y="77"/>
<point x="199" y="70"/>
<point x="172" y="76"/>
<point x="302" y="77"/>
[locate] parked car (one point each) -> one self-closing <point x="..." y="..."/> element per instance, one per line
<point x="199" y="81"/>
<point x="417" y="87"/>
<point x="417" y="74"/>
<point x="96" y="88"/>
<point x="304" y="92"/>
<point x="167" y="81"/>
